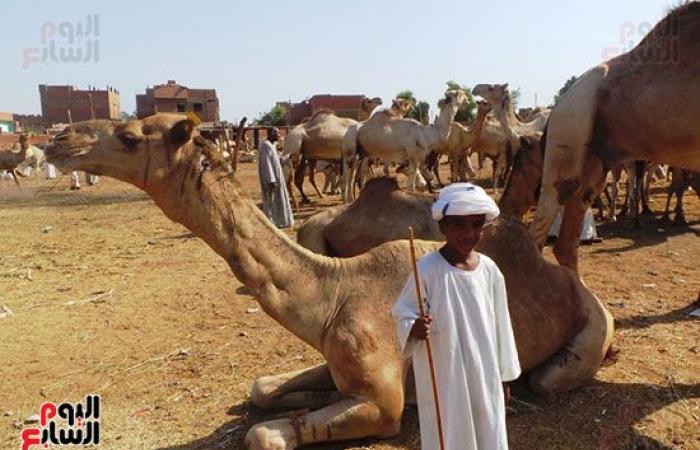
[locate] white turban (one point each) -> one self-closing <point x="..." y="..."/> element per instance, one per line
<point x="464" y="199"/>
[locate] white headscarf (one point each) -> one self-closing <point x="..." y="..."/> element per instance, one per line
<point x="464" y="199"/>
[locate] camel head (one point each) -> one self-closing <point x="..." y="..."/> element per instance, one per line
<point x="141" y="152"/>
<point x="483" y="107"/>
<point x="495" y="94"/>
<point x="455" y="98"/>
<point x="401" y="106"/>
<point x="369" y="104"/>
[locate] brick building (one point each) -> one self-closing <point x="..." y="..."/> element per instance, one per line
<point x="175" y="98"/>
<point x="65" y="104"/>
<point x="343" y="105"/>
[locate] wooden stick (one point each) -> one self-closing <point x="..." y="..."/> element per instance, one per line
<point x="429" y="347"/>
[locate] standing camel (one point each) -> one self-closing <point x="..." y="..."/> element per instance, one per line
<point x="562" y="330"/>
<point x="398" y="140"/>
<point x="320" y="137"/>
<point x="9" y="160"/>
<point x="614" y="114"/>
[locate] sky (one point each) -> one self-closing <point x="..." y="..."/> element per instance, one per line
<point x="255" y="53"/>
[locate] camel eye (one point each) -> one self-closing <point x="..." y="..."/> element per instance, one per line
<point x="129" y="140"/>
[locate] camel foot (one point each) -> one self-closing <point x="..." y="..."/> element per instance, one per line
<point x="680" y="220"/>
<point x="271" y="435"/>
<point x="305" y="201"/>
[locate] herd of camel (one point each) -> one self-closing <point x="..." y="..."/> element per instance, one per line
<point x="623" y="110"/>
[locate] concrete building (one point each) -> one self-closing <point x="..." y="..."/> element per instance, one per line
<point x="7" y="122"/>
<point x="66" y="104"/>
<point x="175" y="98"/>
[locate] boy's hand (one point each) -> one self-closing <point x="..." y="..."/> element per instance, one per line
<point x="421" y="328"/>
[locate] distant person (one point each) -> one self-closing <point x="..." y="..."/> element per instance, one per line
<point x="75" y="180"/>
<point x="589" y="234"/>
<point x="275" y="198"/>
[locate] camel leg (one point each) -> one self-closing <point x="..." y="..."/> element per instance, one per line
<point x="566" y="248"/>
<point x="303" y="388"/>
<point x="349" y="418"/>
<point x="376" y="412"/>
<point x="14" y="177"/>
<point x="613" y="204"/>
<point x="299" y="174"/>
<point x="579" y="360"/>
<point x="411" y="172"/>
<point x="312" y="177"/>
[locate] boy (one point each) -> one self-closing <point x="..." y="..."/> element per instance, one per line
<point x="469" y="326"/>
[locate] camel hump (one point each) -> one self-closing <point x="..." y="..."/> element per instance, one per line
<point x="317" y="113"/>
<point x="379" y="187"/>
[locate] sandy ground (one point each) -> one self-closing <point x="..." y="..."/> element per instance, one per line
<point x="110" y="297"/>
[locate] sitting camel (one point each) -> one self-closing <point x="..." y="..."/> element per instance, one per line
<point x="10" y="160"/>
<point x="641" y="105"/>
<point x="561" y="328"/>
<point x="343" y="230"/>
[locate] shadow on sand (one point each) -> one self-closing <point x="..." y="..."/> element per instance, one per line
<point x="626" y="405"/>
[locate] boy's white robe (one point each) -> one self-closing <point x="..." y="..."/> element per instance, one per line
<point x="473" y="349"/>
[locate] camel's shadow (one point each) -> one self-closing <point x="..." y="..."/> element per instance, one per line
<point x="624" y="405"/>
<point x="644" y="321"/>
<point x="653" y="231"/>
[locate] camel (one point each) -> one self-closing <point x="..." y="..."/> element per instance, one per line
<point x="10" y="160"/>
<point x="320" y="137"/>
<point x="562" y="330"/>
<point x="681" y="179"/>
<point x="460" y="141"/>
<point x="398" y="140"/>
<point x="383" y="212"/>
<point x="499" y="98"/>
<point x="613" y="114"/>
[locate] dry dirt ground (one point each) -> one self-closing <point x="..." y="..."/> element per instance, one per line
<point x="110" y="297"/>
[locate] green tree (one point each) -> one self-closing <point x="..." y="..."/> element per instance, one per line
<point x="515" y="95"/>
<point x="277" y="116"/>
<point x="467" y="113"/>
<point x="570" y="82"/>
<point x="421" y="109"/>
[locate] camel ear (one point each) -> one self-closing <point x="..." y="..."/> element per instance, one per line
<point x="505" y="86"/>
<point x="181" y="133"/>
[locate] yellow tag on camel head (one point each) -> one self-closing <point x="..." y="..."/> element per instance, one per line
<point x="194" y="118"/>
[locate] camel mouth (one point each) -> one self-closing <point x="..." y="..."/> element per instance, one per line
<point x="65" y="155"/>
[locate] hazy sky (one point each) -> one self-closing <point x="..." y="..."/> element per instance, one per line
<point x="257" y="52"/>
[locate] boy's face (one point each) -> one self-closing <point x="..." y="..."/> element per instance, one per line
<point x="462" y="232"/>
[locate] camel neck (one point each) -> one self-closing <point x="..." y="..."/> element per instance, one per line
<point x="510" y="122"/>
<point x="444" y="123"/>
<point x="282" y="275"/>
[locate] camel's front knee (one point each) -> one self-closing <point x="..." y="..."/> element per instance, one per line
<point x="264" y="392"/>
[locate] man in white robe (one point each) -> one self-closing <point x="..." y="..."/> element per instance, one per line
<point x="275" y="198"/>
<point x="468" y="325"/>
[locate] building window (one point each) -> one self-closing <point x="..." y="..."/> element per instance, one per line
<point x="197" y="107"/>
<point x="180" y="107"/>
